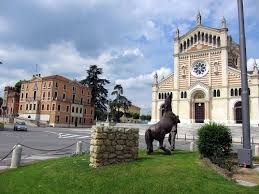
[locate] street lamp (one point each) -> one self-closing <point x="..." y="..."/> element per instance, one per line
<point x="245" y="154"/>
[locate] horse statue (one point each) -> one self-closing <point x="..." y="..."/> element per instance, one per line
<point x="167" y="124"/>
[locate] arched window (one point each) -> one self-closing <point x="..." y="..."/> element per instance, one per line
<point x="191" y="40"/>
<point x="232" y="92"/>
<point x="162" y="95"/>
<point x="214" y="93"/>
<point x="239" y="91"/>
<point x="165" y="95"/>
<point x="34" y="95"/>
<point x="202" y="36"/>
<point x="185" y="94"/>
<point x="218" y="41"/>
<point x="210" y="38"/>
<point x="188" y="43"/>
<point x="184" y="45"/>
<point x="159" y="96"/>
<point x="181" y="94"/>
<point x="218" y="93"/>
<point x="214" y="40"/>
<point x="206" y="37"/>
<point x="236" y="94"/>
<point x="172" y="94"/>
<point x="181" y="47"/>
<point x="199" y="36"/>
<point x="195" y="38"/>
<point x="249" y="91"/>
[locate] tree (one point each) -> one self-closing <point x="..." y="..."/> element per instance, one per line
<point x="120" y="102"/>
<point x="99" y="92"/>
<point x="17" y="86"/>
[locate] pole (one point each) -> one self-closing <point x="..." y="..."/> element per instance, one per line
<point x="245" y="156"/>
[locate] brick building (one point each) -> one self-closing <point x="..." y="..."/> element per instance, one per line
<point x="10" y="102"/>
<point x="57" y="101"/>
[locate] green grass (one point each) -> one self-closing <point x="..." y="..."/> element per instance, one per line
<point x="181" y="172"/>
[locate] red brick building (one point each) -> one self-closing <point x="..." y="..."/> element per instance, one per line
<point x="10" y="105"/>
<point x="57" y="101"/>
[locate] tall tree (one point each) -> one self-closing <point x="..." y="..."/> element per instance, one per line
<point x="18" y="85"/>
<point x="99" y="92"/>
<point x="120" y="101"/>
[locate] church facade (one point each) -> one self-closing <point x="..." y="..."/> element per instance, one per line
<point x="206" y="82"/>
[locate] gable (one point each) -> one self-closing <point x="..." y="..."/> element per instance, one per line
<point x="167" y="83"/>
<point x="199" y="47"/>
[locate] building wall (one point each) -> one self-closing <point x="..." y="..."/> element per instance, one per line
<point x="53" y="98"/>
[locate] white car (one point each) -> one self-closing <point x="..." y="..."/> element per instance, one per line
<point x="20" y="126"/>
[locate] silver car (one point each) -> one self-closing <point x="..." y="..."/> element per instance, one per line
<point x="20" y="126"/>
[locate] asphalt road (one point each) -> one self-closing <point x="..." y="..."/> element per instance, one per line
<point x="56" y="138"/>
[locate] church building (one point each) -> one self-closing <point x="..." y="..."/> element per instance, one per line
<point x="206" y="82"/>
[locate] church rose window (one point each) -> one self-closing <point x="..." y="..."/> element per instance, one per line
<point x="199" y="69"/>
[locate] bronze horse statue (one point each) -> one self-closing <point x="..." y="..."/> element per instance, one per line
<point x="167" y="124"/>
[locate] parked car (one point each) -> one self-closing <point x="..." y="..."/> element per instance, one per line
<point x="20" y="126"/>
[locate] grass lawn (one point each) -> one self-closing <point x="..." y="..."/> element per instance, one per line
<point x="181" y="172"/>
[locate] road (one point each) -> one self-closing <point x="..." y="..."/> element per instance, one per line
<point x="56" y="138"/>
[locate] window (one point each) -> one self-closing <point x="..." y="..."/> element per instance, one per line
<point x="185" y="95"/>
<point x="218" y="93"/>
<point x="56" y="84"/>
<point x="88" y="101"/>
<point x="214" y="93"/>
<point x="81" y="100"/>
<point x="85" y="111"/>
<point x="67" y="108"/>
<point x="239" y="91"/>
<point x="43" y="95"/>
<point x="181" y="94"/>
<point x="22" y="96"/>
<point x="55" y="95"/>
<point x="74" y="98"/>
<point x="49" y="84"/>
<point x="73" y="88"/>
<point x="44" y="85"/>
<point x="249" y="91"/>
<point x="26" y="95"/>
<point x="76" y="109"/>
<point x="21" y="107"/>
<point x="48" y="95"/>
<point x="84" y="120"/>
<point x="53" y="106"/>
<point x="34" y="106"/>
<point x="42" y="107"/>
<point x="48" y="107"/>
<point x="80" y="110"/>
<point x="159" y="96"/>
<point x="72" y="119"/>
<point x="27" y="106"/>
<point x="34" y="95"/>
<point x="73" y="109"/>
<point x="30" y="106"/>
<point x="59" y="107"/>
<point x="64" y="96"/>
<point x="235" y="92"/>
<point x="66" y="119"/>
<point x="82" y="91"/>
<point x="65" y="87"/>
<point x="232" y="92"/>
<point x="80" y="120"/>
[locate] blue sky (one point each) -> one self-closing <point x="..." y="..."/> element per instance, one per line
<point x="130" y="40"/>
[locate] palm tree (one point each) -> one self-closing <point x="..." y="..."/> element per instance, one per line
<point x="99" y="92"/>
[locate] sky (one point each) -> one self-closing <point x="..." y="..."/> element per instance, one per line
<point x="130" y="40"/>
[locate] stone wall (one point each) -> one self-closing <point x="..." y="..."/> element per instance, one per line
<point x="113" y="145"/>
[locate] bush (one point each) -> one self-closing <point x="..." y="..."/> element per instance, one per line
<point x="215" y="142"/>
<point x="1" y="125"/>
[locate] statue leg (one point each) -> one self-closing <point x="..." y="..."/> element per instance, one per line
<point x="171" y="139"/>
<point x="149" y="141"/>
<point x="161" y="146"/>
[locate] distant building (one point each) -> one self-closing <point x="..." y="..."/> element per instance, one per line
<point x="134" y="109"/>
<point x="10" y="105"/>
<point x="56" y="100"/>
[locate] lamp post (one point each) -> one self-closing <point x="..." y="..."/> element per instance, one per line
<point x="245" y="154"/>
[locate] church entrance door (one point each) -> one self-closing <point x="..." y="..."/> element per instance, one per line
<point x="199" y="112"/>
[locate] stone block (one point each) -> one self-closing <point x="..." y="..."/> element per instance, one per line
<point x="112" y="156"/>
<point x="120" y="142"/>
<point x="111" y="136"/>
<point x="107" y="142"/>
<point x="119" y="147"/>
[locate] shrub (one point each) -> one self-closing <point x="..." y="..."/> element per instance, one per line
<point x="1" y="125"/>
<point x="215" y="142"/>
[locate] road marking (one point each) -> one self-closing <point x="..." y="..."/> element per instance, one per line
<point x="67" y="135"/>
